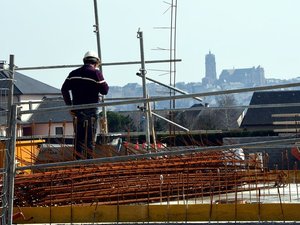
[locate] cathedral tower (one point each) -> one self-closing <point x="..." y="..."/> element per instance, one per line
<point x="210" y="69"/>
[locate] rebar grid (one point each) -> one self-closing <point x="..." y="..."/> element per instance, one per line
<point x="150" y="180"/>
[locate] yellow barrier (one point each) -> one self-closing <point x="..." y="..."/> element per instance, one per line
<point x="26" y="152"/>
<point x="159" y="213"/>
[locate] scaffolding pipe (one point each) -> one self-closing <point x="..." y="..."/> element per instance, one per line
<point x="11" y="87"/>
<point x="143" y="74"/>
<point x="11" y="166"/>
<point x="97" y="32"/>
<point x="102" y="64"/>
<point x="169" y="121"/>
<point x="7" y="197"/>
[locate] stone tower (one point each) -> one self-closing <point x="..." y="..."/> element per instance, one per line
<point x="210" y="69"/>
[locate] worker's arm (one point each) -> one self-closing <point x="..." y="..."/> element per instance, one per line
<point x="66" y="93"/>
<point x="103" y="86"/>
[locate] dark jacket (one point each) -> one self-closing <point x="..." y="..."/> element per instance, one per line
<point x="85" y="84"/>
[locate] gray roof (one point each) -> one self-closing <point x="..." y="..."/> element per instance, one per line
<point x="54" y="116"/>
<point x="3" y="116"/>
<point x="25" y="85"/>
<point x="263" y="116"/>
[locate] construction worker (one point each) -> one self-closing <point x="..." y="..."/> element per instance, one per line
<point x="83" y="86"/>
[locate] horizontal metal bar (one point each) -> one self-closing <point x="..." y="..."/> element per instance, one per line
<point x="199" y="108"/>
<point x="61" y="100"/>
<point x="103" y="64"/>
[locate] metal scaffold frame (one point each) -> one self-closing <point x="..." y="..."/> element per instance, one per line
<point x="8" y="156"/>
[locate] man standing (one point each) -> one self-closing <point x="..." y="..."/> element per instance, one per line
<point x="83" y="86"/>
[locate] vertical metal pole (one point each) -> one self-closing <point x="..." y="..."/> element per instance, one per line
<point x="11" y="165"/>
<point x="174" y="45"/>
<point x="152" y="126"/>
<point x="9" y="145"/>
<point x="97" y="31"/>
<point x="143" y="73"/>
<point x="8" y="166"/>
<point x="11" y="88"/>
<point x="172" y="65"/>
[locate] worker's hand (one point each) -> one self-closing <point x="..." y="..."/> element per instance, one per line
<point x="72" y="113"/>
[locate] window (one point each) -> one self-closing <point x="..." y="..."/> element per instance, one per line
<point x="27" y="131"/>
<point x="59" y="130"/>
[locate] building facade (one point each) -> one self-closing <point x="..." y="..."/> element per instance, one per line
<point x="248" y="76"/>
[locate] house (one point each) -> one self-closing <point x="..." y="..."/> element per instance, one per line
<point x="3" y="121"/>
<point x="57" y="123"/>
<point x="275" y="117"/>
<point x="203" y="117"/>
<point x="28" y="92"/>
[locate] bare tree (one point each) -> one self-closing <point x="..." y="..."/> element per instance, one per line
<point x="225" y="100"/>
<point x="226" y="114"/>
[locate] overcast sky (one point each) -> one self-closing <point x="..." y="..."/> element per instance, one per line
<point x="241" y="34"/>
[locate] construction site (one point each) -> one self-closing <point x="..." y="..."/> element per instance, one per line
<point x="42" y="183"/>
<point x="252" y="179"/>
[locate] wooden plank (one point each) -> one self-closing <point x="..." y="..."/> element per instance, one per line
<point x="287" y="130"/>
<point x="286" y="115"/>
<point x="286" y="122"/>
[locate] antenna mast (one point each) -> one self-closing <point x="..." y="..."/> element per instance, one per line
<point x="173" y="30"/>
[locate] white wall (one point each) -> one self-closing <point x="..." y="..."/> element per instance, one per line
<point x="4" y="128"/>
<point x="31" y="103"/>
<point x="49" y="129"/>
